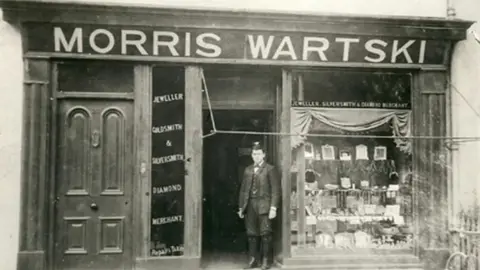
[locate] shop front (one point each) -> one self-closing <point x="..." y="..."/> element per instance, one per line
<point x="139" y="122"/>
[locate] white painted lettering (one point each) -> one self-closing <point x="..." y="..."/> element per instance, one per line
<point x="381" y="55"/>
<point x="259" y="46"/>
<point x="170" y="44"/>
<point x="290" y="51"/>
<point x="209" y="45"/>
<point x="166" y="220"/>
<point x="320" y="50"/>
<point x="75" y="39"/>
<point x="421" y="54"/>
<point x="167" y="159"/>
<point x="188" y="43"/>
<point x="215" y="49"/>
<point x="166" y="189"/>
<point x="177" y="248"/>
<point x="396" y="51"/>
<point x="346" y="46"/>
<point x="137" y="43"/>
<point x="168" y="98"/>
<point x="95" y="47"/>
<point x="162" y="251"/>
<point x="167" y="128"/>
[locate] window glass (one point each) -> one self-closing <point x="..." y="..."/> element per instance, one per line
<point x="354" y="89"/>
<point x="90" y="76"/>
<point x="234" y="87"/>
<point x="356" y="189"/>
<point x="168" y="169"/>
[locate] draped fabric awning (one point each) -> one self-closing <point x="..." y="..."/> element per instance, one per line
<point x="352" y="120"/>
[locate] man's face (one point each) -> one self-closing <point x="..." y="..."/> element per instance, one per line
<point x="258" y="156"/>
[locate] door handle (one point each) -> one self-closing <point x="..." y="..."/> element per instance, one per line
<point x="94" y="206"/>
<point x="95" y="138"/>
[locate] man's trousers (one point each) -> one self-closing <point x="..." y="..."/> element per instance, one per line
<point x="256" y="224"/>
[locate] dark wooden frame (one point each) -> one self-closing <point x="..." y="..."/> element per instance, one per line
<point x="193" y="168"/>
<point x="431" y="117"/>
<point x="286" y="159"/>
<point x="142" y="137"/>
<point x="35" y="173"/>
<point x="38" y="189"/>
<point x="50" y="262"/>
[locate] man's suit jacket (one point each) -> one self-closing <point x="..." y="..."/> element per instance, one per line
<point x="268" y="188"/>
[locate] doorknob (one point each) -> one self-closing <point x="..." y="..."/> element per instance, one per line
<point x="95" y="139"/>
<point x="94" y="206"/>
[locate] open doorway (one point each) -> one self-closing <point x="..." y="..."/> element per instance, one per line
<point x="225" y="157"/>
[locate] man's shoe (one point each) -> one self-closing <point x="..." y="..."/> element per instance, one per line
<point x="253" y="263"/>
<point x="265" y="264"/>
<point x="252" y="252"/>
<point x="266" y="245"/>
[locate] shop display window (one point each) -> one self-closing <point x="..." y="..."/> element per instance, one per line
<point x="357" y="195"/>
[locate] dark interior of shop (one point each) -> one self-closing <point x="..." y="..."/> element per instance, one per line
<point x="225" y="158"/>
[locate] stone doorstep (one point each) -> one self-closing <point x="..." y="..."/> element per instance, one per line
<point x="352" y="259"/>
<point x="394" y="266"/>
<point x="356" y="251"/>
<point x="338" y="267"/>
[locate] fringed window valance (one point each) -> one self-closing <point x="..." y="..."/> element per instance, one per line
<point x="352" y="120"/>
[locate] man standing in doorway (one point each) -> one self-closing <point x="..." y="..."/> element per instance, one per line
<point x="258" y="201"/>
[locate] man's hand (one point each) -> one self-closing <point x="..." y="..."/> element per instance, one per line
<point x="240" y="213"/>
<point x="273" y="213"/>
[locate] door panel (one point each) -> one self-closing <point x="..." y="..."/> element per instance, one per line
<point x="113" y="152"/>
<point x="76" y="152"/>
<point x="94" y="180"/>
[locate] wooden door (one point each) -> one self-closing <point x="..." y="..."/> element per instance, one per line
<point x="94" y="185"/>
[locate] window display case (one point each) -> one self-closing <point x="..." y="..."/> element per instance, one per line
<point x="380" y="215"/>
<point x="350" y="185"/>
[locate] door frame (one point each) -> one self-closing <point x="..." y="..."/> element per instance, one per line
<point x="270" y="143"/>
<point x="273" y="144"/>
<point x="52" y="188"/>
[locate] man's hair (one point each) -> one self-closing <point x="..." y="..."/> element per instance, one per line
<point x="258" y="146"/>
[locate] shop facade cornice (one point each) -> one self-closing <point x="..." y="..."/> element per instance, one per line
<point x="132" y="15"/>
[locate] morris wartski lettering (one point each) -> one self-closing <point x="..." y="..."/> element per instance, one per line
<point x="237" y="45"/>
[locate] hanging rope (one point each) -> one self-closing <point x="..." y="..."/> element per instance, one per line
<point x="466" y="100"/>
<point x="475" y="36"/>
<point x="345" y="136"/>
<point x="205" y="90"/>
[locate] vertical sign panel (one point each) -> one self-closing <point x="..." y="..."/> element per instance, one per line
<point x="168" y="168"/>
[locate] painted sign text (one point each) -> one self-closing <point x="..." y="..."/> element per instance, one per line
<point x="290" y="47"/>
